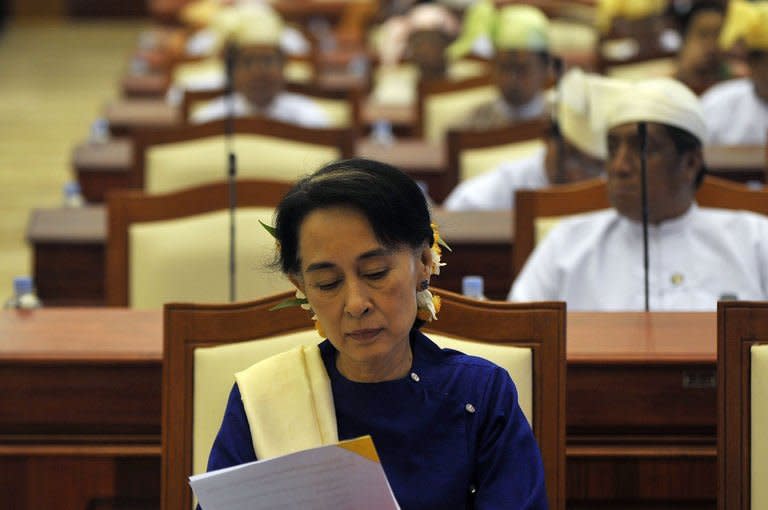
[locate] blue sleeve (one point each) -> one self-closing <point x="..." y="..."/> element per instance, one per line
<point x="510" y="474"/>
<point x="233" y="444"/>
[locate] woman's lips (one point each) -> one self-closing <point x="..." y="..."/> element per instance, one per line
<point x="364" y="334"/>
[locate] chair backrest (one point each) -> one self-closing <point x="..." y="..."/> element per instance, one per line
<point x="341" y="105"/>
<point x="537" y="211"/>
<point x="742" y="395"/>
<point x="175" y="246"/>
<point x="638" y="43"/>
<point x="210" y="72"/>
<point x="531" y="206"/>
<point x="741" y="163"/>
<point x="212" y="342"/>
<point x="725" y="194"/>
<point x="442" y="104"/>
<point x="641" y="69"/>
<point x="471" y="152"/>
<point x="172" y="159"/>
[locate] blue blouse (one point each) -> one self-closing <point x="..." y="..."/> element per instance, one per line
<point x="450" y="435"/>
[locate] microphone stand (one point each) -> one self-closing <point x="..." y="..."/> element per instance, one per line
<point x="229" y="129"/>
<point x="642" y="131"/>
<point x="557" y="64"/>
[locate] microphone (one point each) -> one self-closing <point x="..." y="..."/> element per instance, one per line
<point x="229" y="131"/>
<point x="642" y="131"/>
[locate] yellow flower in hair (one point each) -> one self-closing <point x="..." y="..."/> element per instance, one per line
<point x="437" y="251"/>
<point x="427" y="305"/>
<point x="300" y="298"/>
<point x="303" y="302"/>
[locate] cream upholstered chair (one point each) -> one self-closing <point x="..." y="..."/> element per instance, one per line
<point x="444" y="104"/>
<point x="173" y="247"/>
<point x="209" y="72"/>
<point x="635" y="54"/>
<point x="342" y="106"/>
<point x="472" y="152"/>
<point x="538" y="211"/>
<point x="725" y="194"/>
<point x="654" y="68"/>
<point x="173" y="159"/>
<point x="206" y="344"/>
<point x="742" y="394"/>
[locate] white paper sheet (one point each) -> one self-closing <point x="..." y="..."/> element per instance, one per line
<point x="329" y="477"/>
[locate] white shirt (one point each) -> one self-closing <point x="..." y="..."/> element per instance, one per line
<point x="734" y="114"/>
<point x="533" y="109"/>
<point x="595" y="262"/>
<point x="496" y="188"/>
<point x="286" y="107"/>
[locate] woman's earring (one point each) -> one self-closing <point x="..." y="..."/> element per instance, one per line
<point x="423" y="285"/>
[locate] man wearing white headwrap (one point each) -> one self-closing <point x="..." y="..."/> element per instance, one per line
<point x="206" y="17"/>
<point x="583" y="152"/>
<point x="696" y="255"/>
<point x="520" y="37"/>
<point x="737" y="110"/>
<point x="255" y="31"/>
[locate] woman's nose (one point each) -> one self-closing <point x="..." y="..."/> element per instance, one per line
<point x="357" y="302"/>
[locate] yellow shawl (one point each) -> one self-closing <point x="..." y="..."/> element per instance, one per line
<point x="288" y="402"/>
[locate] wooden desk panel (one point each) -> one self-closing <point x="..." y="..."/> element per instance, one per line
<point x="641" y="408"/>
<point x="422" y="160"/>
<point x="666" y="367"/>
<point x="103" y="166"/>
<point x="68" y="251"/>
<point x="68" y="246"/>
<point x="740" y="163"/>
<point x="129" y="115"/>
<point x="635" y="434"/>
<point x="100" y="167"/>
<point x="80" y="407"/>
<point x="152" y="85"/>
<point x="482" y="244"/>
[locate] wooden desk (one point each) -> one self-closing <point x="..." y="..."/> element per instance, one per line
<point x="422" y="160"/>
<point x="403" y="116"/>
<point x="103" y="166"/>
<point x="341" y="81"/>
<point x="80" y="406"/>
<point x="152" y="85"/>
<point x="739" y="163"/>
<point x="84" y="409"/>
<point x="68" y="250"/>
<point x="482" y="244"/>
<point x="128" y="115"/>
<point x="641" y="409"/>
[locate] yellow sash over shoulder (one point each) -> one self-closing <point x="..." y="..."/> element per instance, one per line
<point x="288" y="402"/>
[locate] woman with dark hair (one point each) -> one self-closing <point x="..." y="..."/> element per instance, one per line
<point x="356" y="240"/>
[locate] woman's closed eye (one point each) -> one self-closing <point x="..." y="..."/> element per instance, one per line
<point x="377" y="275"/>
<point x="328" y="285"/>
